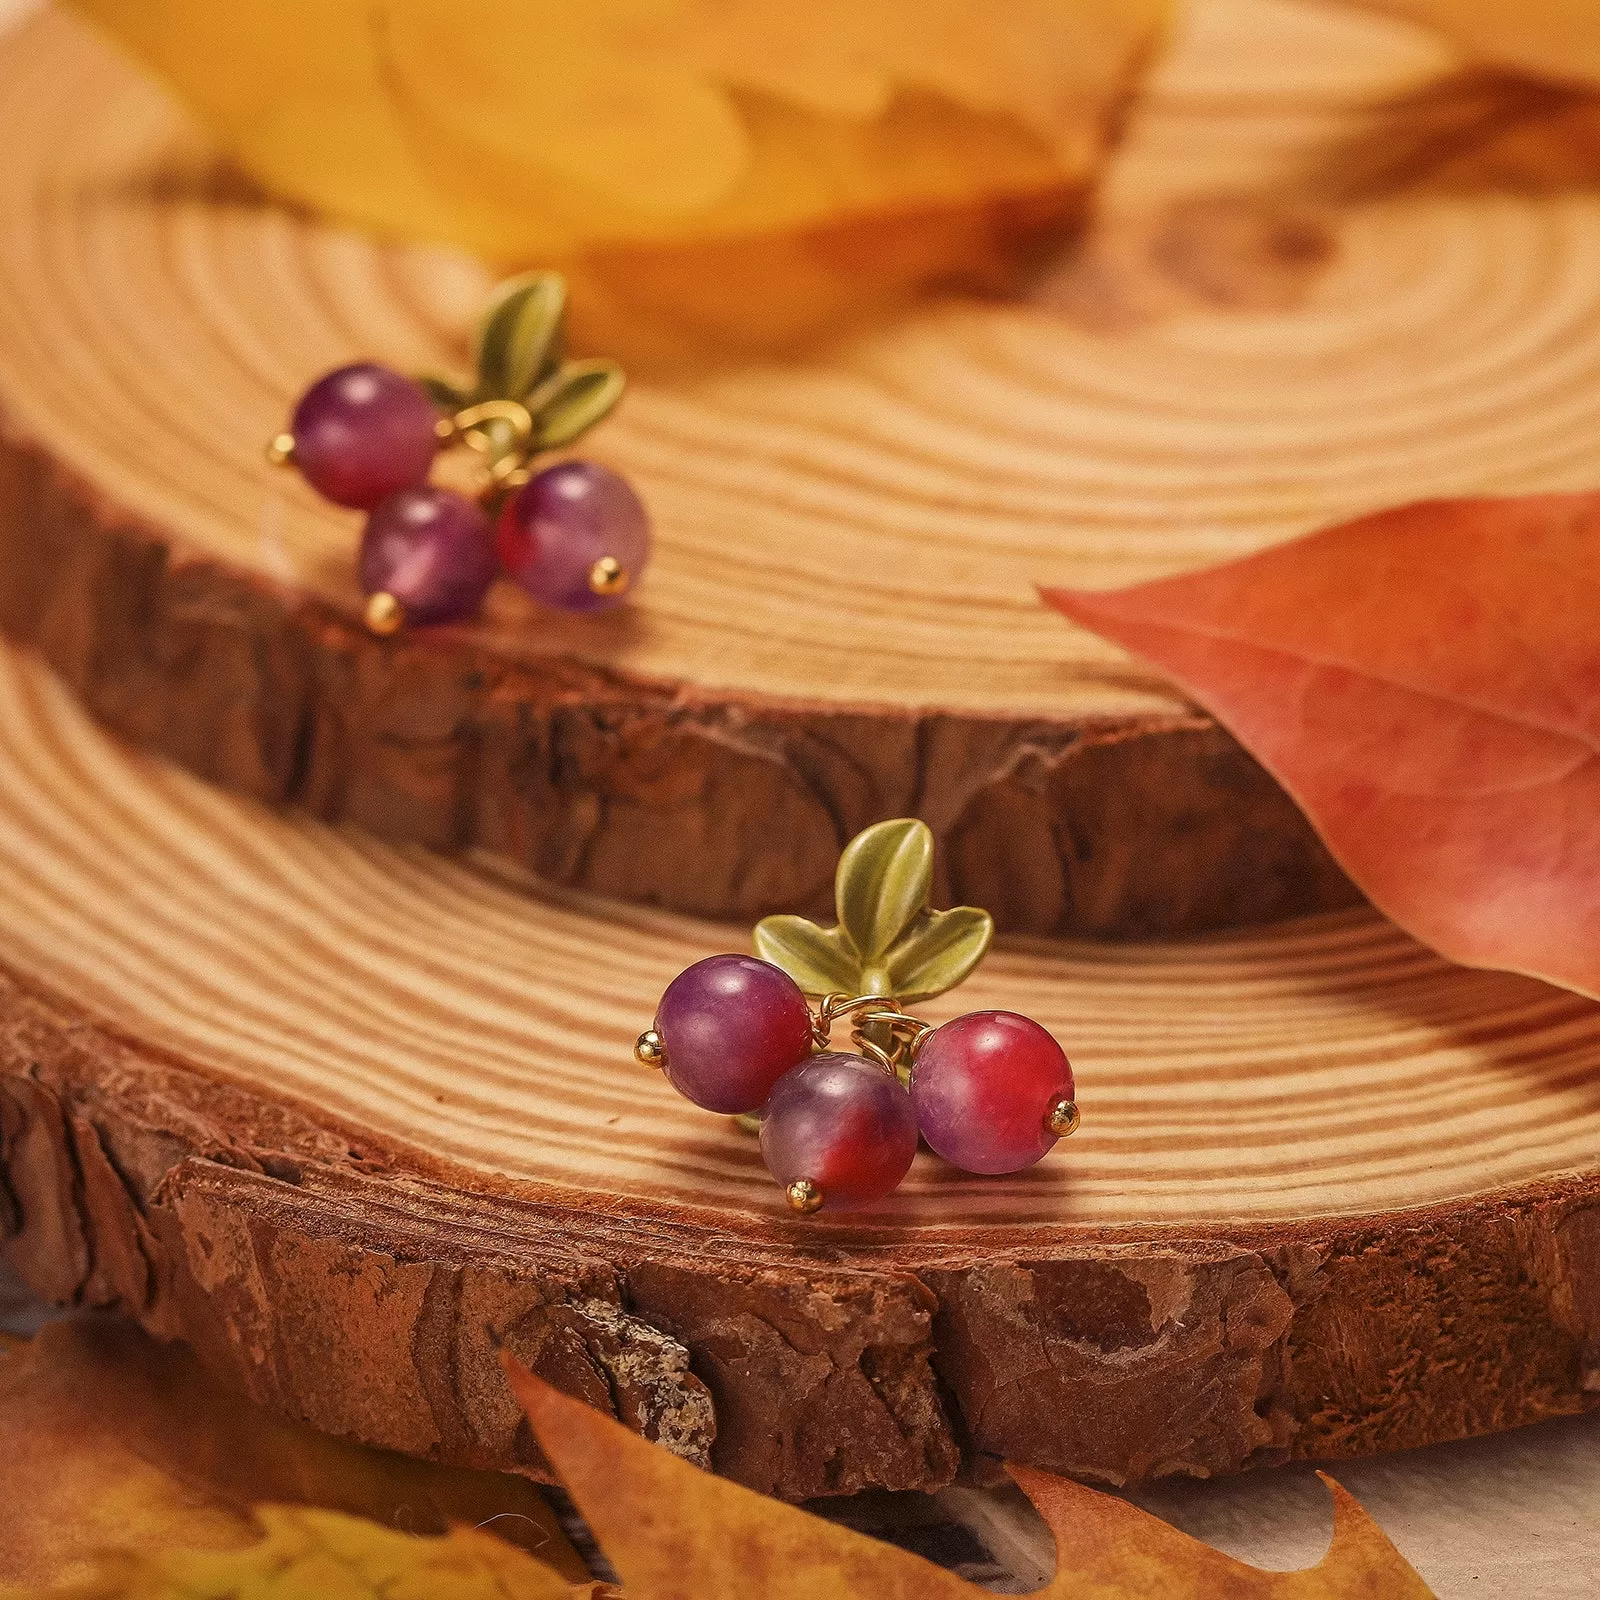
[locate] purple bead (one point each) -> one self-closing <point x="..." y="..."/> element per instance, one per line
<point x="845" y="1124"/>
<point x="430" y="549"/>
<point x="562" y="524"/>
<point x="983" y="1086"/>
<point x="731" y="1026"/>
<point x="362" y="432"/>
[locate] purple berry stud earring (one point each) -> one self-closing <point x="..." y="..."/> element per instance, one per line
<point x="574" y="535"/>
<point x="990" y="1092"/>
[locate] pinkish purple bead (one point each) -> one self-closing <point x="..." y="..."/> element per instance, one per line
<point x="844" y="1123"/>
<point x="561" y="523"/>
<point x="430" y="549"/>
<point x="362" y="432"/>
<point x="983" y="1086"/>
<point x="731" y="1026"/>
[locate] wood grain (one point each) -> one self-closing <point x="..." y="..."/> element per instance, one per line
<point x="331" y="1108"/>
<point x="840" y="623"/>
<point x="464" y="1008"/>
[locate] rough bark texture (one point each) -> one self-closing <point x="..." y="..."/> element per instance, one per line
<point x="361" y="1290"/>
<point x="641" y="790"/>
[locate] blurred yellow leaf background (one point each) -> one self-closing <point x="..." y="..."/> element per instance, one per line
<point x="1557" y="39"/>
<point x="743" y="171"/>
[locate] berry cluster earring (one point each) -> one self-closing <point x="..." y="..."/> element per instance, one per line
<point x="990" y="1092"/>
<point x="574" y="536"/>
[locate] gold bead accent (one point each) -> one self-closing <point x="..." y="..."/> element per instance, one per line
<point x="280" y="449"/>
<point x="804" y="1196"/>
<point x="385" y="614"/>
<point x="648" y="1049"/>
<point x="1062" y="1118"/>
<point x="609" y="576"/>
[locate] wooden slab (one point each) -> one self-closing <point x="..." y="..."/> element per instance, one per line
<point x="1260" y="337"/>
<point x="343" y="1114"/>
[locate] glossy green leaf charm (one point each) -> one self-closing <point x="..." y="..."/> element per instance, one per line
<point x="818" y="959"/>
<point x="445" y="395"/>
<point x="937" y="952"/>
<point x="888" y="941"/>
<point x="882" y="883"/>
<point x="521" y="337"/>
<point x="573" y="400"/>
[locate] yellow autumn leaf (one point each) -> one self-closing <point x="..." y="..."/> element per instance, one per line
<point x="1544" y="38"/>
<point x="739" y="170"/>
<point x="619" y="122"/>
<point x="306" y="1554"/>
<point x="112" y="1441"/>
<point x="673" y="1531"/>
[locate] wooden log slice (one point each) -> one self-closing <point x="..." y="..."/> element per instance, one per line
<point x="840" y="623"/>
<point x="345" y="1114"/>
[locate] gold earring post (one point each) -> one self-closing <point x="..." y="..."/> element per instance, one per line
<point x="1063" y="1118"/>
<point x="608" y="576"/>
<point x="385" y="615"/>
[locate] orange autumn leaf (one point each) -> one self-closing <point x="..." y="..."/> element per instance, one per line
<point x="1426" y="683"/>
<point x="674" y="1532"/>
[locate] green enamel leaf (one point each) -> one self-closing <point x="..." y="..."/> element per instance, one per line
<point x="888" y="941"/>
<point x="882" y="883"/>
<point x="444" y="394"/>
<point x="818" y="959"/>
<point x="572" y="401"/>
<point x="938" y="952"/>
<point x="520" y="339"/>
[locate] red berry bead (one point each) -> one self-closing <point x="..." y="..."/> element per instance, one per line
<point x="429" y="549"/>
<point x="838" y="1132"/>
<point x="730" y="1027"/>
<point x="362" y="432"/>
<point x="575" y="537"/>
<point x="985" y="1086"/>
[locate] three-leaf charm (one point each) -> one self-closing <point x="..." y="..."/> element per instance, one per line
<point x="519" y="354"/>
<point x="989" y="1091"/>
<point x="888" y="940"/>
<point x="574" y="535"/>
